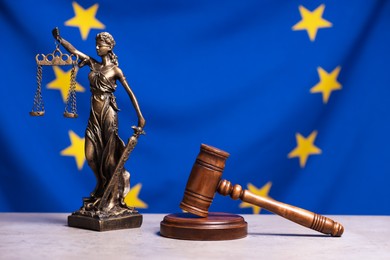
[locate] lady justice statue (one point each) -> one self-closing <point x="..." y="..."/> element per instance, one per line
<point x="105" y="152"/>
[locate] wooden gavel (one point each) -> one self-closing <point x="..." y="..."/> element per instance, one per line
<point x="205" y="180"/>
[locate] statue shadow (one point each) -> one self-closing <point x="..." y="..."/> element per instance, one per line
<point x="36" y="218"/>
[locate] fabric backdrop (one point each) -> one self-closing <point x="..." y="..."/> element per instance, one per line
<point x="296" y="91"/>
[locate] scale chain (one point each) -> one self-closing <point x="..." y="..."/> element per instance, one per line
<point x="71" y="99"/>
<point x="38" y="106"/>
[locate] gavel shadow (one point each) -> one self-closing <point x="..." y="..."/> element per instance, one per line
<point x="273" y="234"/>
<point x="287" y="235"/>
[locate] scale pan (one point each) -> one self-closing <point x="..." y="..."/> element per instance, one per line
<point x="70" y="115"/>
<point x="37" y="113"/>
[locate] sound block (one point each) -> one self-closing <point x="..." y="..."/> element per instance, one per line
<point x="112" y="223"/>
<point x="216" y="226"/>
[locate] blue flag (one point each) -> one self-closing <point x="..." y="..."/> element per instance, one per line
<point x="296" y="91"/>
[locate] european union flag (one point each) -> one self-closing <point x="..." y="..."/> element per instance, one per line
<point x="296" y="91"/>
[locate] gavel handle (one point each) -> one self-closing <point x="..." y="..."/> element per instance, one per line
<point x="300" y="216"/>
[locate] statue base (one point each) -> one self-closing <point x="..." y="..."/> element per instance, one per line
<point x="216" y="226"/>
<point x="105" y="224"/>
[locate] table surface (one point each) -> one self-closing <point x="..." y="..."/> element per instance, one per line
<point x="40" y="235"/>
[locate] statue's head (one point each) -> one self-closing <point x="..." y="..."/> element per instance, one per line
<point x="105" y="38"/>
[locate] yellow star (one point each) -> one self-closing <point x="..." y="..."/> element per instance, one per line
<point x="76" y="149"/>
<point x="328" y="83"/>
<point x="263" y="192"/>
<point x="62" y="82"/>
<point x="312" y="21"/>
<point x="85" y="19"/>
<point x="132" y="199"/>
<point x="305" y="147"/>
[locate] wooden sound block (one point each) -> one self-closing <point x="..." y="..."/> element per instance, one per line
<point x="216" y="226"/>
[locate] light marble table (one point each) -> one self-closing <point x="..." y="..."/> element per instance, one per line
<point x="47" y="236"/>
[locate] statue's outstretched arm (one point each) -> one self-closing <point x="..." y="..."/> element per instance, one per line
<point x="67" y="45"/>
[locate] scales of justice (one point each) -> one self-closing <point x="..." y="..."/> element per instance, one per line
<point x="105" y="152"/>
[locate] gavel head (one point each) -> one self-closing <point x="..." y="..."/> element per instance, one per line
<point x="204" y="179"/>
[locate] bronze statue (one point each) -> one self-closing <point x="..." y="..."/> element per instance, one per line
<point x="105" y="152"/>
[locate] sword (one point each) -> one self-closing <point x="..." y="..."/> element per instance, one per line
<point x="132" y="142"/>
